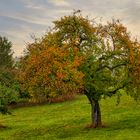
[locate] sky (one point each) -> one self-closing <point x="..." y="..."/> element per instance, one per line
<point x="20" y="19"/>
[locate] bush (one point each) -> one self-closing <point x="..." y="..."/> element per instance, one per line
<point x="9" y="90"/>
<point x="7" y="96"/>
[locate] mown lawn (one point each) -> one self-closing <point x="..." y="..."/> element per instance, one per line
<point x="68" y="120"/>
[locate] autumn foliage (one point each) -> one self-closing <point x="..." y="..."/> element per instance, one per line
<point x="51" y="71"/>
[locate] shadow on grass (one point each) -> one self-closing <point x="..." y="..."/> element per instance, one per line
<point x="127" y="123"/>
<point x="76" y="128"/>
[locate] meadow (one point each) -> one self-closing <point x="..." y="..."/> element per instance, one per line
<point x="69" y="120"/>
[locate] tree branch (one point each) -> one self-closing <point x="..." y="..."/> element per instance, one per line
<point x="111" y="68"/>
<point x="118" y="88"/>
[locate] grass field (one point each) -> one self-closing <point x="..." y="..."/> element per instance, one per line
<point x="68" y="120"/>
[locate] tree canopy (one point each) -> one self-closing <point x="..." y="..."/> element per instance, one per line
<point x="6" y="53"/>
<point x="50" y="71"/>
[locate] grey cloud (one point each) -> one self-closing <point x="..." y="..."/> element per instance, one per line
<point x="20" y="18"/>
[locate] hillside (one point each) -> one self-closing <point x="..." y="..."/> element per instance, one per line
<point x="68" y="120"/>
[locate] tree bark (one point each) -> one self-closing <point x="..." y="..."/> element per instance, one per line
<point x="95" y="114"/>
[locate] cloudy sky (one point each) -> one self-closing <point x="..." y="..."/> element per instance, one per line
<point x="19" y="19"/>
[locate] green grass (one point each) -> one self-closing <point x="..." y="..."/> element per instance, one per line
<point x="68" y="121"/>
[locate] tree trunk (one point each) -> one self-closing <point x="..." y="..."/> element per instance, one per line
<point x="95" y="114"/>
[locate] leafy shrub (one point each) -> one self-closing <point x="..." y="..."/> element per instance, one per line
<point x="7" y="96"/>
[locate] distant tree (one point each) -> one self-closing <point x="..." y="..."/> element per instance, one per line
<point x="6" y="53"/>
<point x="9" y="90"/>
<point x="8" y="85"/>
